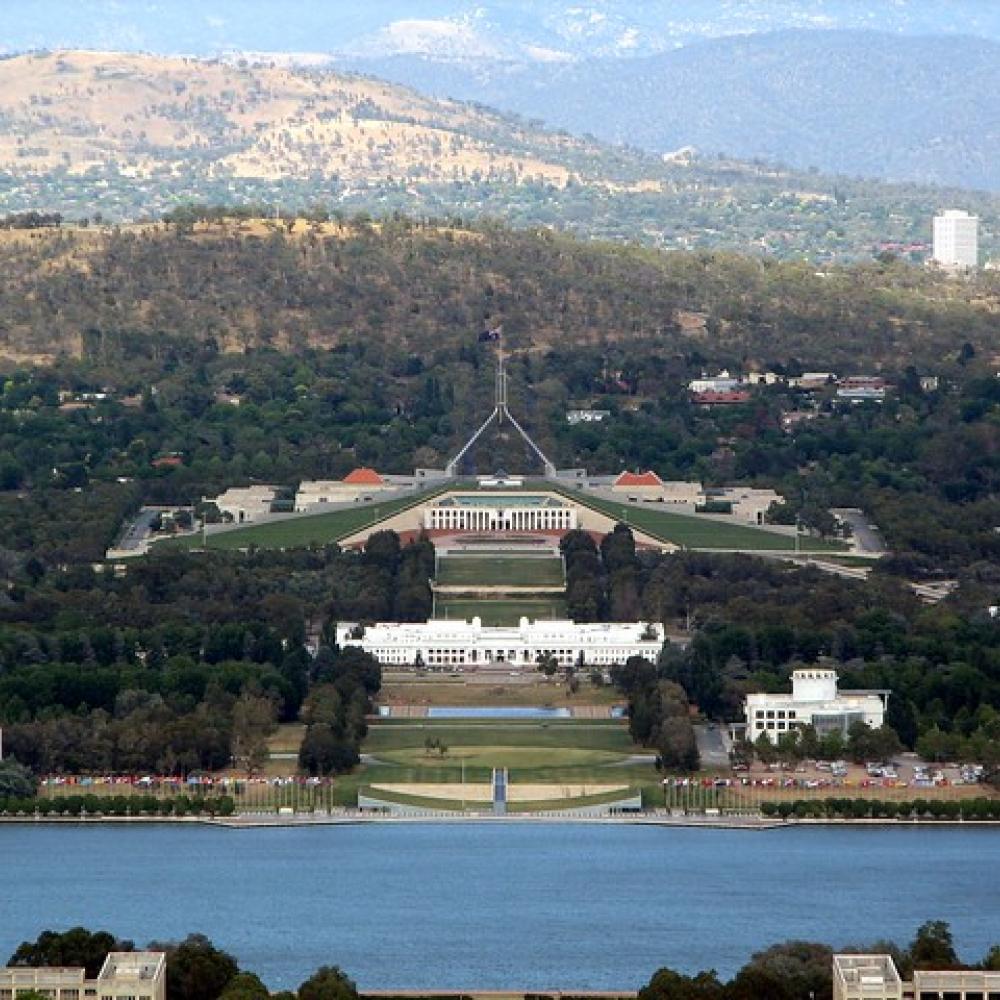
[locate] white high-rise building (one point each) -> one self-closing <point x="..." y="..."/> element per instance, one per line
<point x="956" y="240"/>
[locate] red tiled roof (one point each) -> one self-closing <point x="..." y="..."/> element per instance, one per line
<point x="727" y="396"/>
<point x="364" y="477"/>
<point x="638" y="479"/>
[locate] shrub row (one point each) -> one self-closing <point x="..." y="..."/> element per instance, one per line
<point x="843" y="808"/>
<point x="120" y="805"/>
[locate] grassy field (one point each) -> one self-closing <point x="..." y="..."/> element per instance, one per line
<point x="498" y="571"/>
<point x="515" y="758"/>
<point x="565" y="734"/>
<point x="693" y="532"/>
<point x="400" y="689"/>
<point x="499" y="612"/>
<point x="308" y="529"/>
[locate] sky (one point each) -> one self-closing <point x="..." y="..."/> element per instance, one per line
<point x="580" y="27"/>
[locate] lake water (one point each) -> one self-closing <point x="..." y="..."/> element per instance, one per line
<point x="533" y="906"/>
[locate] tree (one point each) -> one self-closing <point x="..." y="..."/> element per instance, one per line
<point x="795" y="970"/>
<point x="75" y="948"/>
<point x="328" y="983"/>
<point x="245" y="986"/>
<point x="676" y="745"/>
<point x="16" y="781"/>
<point x="669" y="985"/>
<point x="197" y="970"/>
<point x="933" y="947"/>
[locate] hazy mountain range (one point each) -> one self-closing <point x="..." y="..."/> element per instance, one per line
<point x="863" y="103"/>
<point x="527" y="29"/>
<point x="896" y="89"/>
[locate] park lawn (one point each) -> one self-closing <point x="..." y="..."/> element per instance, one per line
<point x="692" y="532"/>
<point x="505" y="611"/>
<point x="577" y="802"/>
<point x="287" y="738"/>
<point x="499" y="571"/>
<point x="409" y="690"/>
<point x="306" y="529"/>
<point x="391" y="734"/>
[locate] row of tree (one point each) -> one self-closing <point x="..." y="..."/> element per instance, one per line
<point x="802" y="970"/>
<point x="196" y="968"/>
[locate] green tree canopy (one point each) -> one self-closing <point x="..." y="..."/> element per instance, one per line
<point x="75" y="948"/>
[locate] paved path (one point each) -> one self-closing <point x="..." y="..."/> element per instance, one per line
<point x="867" y="539"/>
<point x="713" y="745"/>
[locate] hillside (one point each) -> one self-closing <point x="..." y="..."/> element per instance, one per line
<point x="851" y="102"/>
<point x="239" y="284"/>
<point x="153" y="117"/>
<point x="533" y="30"/>
<point x="128" y="137"/>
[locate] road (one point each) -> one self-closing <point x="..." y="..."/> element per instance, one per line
<point x="866" y="535"/>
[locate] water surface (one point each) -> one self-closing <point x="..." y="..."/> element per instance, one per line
<point x="532" y="906"/>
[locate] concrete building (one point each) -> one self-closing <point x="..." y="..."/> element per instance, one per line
<point x="956" y="240"/>
<point x="814" y="701"/>
<point x="866" y="977"/>
<point x="500" y="512"/>
<point x="875" y="977"/>
<point x="470" y="645"/>
<point x="723" y="382"/>
<point x="641" y="485"/>
<point x="748" y="504"/>
<point x="125" y="975"/>
<point x="354" y="487"/>
<point x="245" y="503"/>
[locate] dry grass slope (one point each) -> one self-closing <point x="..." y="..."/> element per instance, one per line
<point x="153" y="116"/>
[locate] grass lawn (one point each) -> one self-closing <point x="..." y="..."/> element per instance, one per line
<point x="436" y="690"/>
<point x="498" y="571"/>
<point x="307" y="529"/>
<point x="499" y="612"/>
<point x="693" y="532"/>
<point x="403" y="734"/>
<point x="515" y="758"/>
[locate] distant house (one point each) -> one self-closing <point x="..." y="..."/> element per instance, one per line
<point x="587" y="416"/>
<point x="167" y="462"/>
<point x="929" y="383"/>
<point x="723" y="382"/>
<point x="728" y="397"/>
<point x="810" y="381"/>
<point x="861" y="394"/>
<point x="764" y="378"/>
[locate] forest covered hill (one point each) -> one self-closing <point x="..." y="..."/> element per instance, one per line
<point x="125" y="137"/>
<point x="242" y="283"/>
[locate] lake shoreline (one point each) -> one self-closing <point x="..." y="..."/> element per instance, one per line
<point x="695" y="822"/>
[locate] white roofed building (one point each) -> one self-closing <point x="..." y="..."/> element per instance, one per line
<point x="470" y="645"/>
<point x="246" y="503"/>
<point x="814" y="701"/>
<point x="125" y="975"/>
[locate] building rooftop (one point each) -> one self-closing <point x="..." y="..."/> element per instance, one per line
<point x="138" y="965"/>
<point x="499" y="500"/>
<point x="638" y="479"/>
<point x="364" y="477"/>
